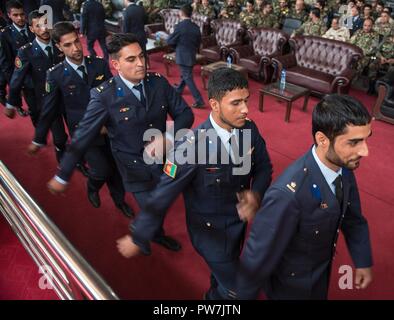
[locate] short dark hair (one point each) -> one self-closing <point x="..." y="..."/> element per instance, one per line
<point x="13" y="4"/>
<point x="332" y="114"/>
<point x="61" y="28"/>
<point x="187" y="10"/>
<point x="368" y="19"/>
<point x="321" y="2"/>
<point x="35" y="15"/>
<point x="367" y="5"/>
<point x="119" y="41"/>
<point x="251" y="2"/>
<point x="224" y="80"/>
<point x="316" y="12"/>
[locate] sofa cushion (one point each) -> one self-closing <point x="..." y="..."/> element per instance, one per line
<point x="309" y="78"/>
<point x="211" y="53"/>
<point x="251" y="63"/>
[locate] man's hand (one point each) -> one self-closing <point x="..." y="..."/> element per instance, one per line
<point x="248" y="204"/>
<point x="363" y="278"/>
<point x="56" y="187"/>
<point x="126" y="247"/>
<point x="32" y="149"/>
<point x="10" y="112"/>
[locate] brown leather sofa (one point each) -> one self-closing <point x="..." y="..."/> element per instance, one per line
<point x="226" y="33"/>
<point x="170" y="19"/>
<point x="384" y="106"/>
<point x="264" y="43"/>
<point x="319" y="64"/>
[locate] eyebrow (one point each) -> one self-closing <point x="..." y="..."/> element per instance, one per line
<point x="360" y="139"/>
<point x="129" y="57"/>
<point x="238" y="100"/>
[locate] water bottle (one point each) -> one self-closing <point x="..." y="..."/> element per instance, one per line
<point x="228" y="61"/>
<point x="157" y="39"/>
<point x="283" y="79"/>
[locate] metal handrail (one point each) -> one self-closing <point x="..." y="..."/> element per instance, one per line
<point x="71" y="276"/>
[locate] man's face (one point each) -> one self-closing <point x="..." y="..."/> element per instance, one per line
<point x="385" y="17"/>
<point x="232" y="109"/>
<point x="249" y="7"/>
<point x="350" y="147"/>
<point x="267" y="9"/>
<point x="379" y="8"/>
<point x="259" y="3"/>
<point x="39" y="28"/>
<point x="367" y="26"/>
<point x="17" y="16"/>
<point x="367" y="11"/>
<point x="282" y="3"/>
<point x="354" y="12"/>
<point x="131" y="63"/>
<point x="334" y="24"/>
<point x="205" y="2"/>
<point x="373" y="3"/>
<point x="71" y="46"/>
<point x="231" y="2"/>
<point x="299" y="4"/>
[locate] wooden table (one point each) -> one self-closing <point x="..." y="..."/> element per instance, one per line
<point x="290" y="93"/>
<point x="209" y="68"/>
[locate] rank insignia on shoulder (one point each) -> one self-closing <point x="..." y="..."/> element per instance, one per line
<point x="124" y="109"/>
<point x="100" y="77"/>
<point x="291" y="186"/>
<point x="48" y="87"/>
<point x="158" y="74"/>
<point x="119" y="92"/>
<point x="18" y="63"/>
<point x="98" y="89"/>
<point x="170" y="169"/>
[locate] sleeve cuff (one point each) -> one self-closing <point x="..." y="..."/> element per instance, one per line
<point x="9" y="106"/>
<point x="38" y="144"/>
<point x="60" y="180"/>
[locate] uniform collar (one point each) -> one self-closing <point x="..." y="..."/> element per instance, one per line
<point x="43" y="45"/>
<point x="75" y="66"/>
<point x="328" y="174"/>
<point x="20" y="29"/>
<point x="223" y="134"/>
<point x="129" y="84"/>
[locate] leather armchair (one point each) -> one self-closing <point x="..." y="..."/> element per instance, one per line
<point x="384" y="106"/>
<point x="319" y="64"/>
<point x="265" y="43"/>
<point x="226" y="33"/>
<point x="170" y="19"/>
<point x="203" y="22"/>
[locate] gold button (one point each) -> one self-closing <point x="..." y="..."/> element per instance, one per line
<point x="151" y="125"/>
<point x="135" y="161"/>
<point x="316" y="231"/>
<point x="218" y="180"/>
<point x="293" y="274"/>
<point x="208" y="224"/>
<point x="126" y="118"/>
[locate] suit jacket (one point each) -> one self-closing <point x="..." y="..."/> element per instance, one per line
<point x="356" y="24"/>
<point x="64" y="85"/>
<point x="93" y="19"/>
<point x="186" y="39"/>
<point x="134" y="18"/>
<point x="11" y="40"/>
<point x="114" y="106"/>
<point x="293" y="237"/>
<point x="33" y="62"/>
<point x="209" y="191"/>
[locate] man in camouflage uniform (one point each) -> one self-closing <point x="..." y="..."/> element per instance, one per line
<point x="298" y="11"/>
<point x="384" y="58"/>
<point x="230" y="10"/>
<point x="249" y="18"/>
<point x="313" y="27"/>
<point x="281" y="11"/>
<point x="152" y="10"/>
<point x="196" y="4"/>
<point x="383" y="26"/>
<point x="259" y="5"/>
<point x="367" y="40"/>
<point x="206" y="9"/>
<point x="74" y="5"/>
<point x="267" y="18"/>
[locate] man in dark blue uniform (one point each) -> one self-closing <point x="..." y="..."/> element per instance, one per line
<point x="134" y="19"/>
<point x="93" y="26"/>
<point x="33" y="60"/>
<point x="294" y="235"/>
<point x="12" y="38"/>
<point x="186" y="39"/>
<point x="128" y="105"/>
<point x="226" y="173"/>
<point x="70" y="82"/>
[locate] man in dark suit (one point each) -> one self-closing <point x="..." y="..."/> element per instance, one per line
<point x="354" y="22"/>
<point x="294" y="235"/>
<point x="186" y="39"/>
<point x="70" y="82"/>
<point x="222" y="190"/>
<point x="129" y="105"/>
<point x="12" y="38"/>
<point x="134" y="19"/>
<point x="33" y="60"/>
<point x="93" y="26"/>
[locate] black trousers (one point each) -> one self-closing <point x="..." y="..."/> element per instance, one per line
<point x="103" y="45"/>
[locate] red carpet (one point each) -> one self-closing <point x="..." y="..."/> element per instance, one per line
<point x="183" y="275"/>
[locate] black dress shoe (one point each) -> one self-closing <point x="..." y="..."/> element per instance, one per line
<point x="94" y="198"/>
<point x="198" y="105"/>
<point x="82" y="168"/>
<point x="168" y="243"/>
<point x="22" y="112"/>
<point x="126" y="210"/>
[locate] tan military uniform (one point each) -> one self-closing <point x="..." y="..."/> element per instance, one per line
<point x="249" y="20"/>
<point x="341" y="34"/>
<point x="207" y="11"/>
<point x="383" y="29"/>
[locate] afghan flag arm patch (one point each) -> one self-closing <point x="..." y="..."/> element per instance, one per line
<point x="18" y="63"/>
<point x="170" y="169"/>
<point x="48" y="87"/>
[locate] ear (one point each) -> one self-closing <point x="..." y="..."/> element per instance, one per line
<point x="31" y="29"/>
<point x="321" y="140"/>
<point x="214" y="104"/>
<point x="115" y="64"/>
<point x="57" y="45"/>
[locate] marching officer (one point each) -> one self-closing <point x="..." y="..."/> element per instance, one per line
<point x="33" y="60"/>
<point x="221" y="192"/>
<point x="70" y="82"/>
<point x="128" y="105"/>
<point x="12" y="38"/>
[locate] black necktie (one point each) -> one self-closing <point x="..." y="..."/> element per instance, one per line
<point x="24" y="35"/>
<point x="142" y="96"/>
<point x="50" y="54"/>
<point x="339" y="189"/>
<point x="84" y="74"/>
